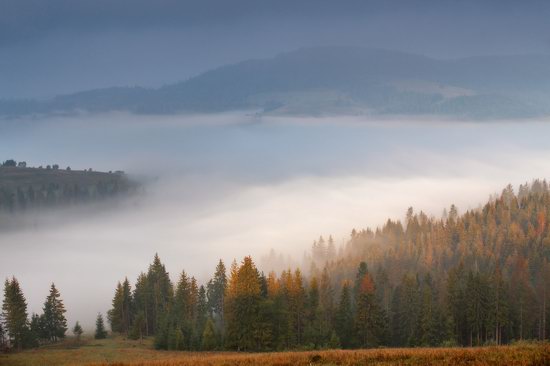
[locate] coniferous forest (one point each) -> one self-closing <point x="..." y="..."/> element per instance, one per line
<point x="471" y="279"/>
<point x="23" y="188"/>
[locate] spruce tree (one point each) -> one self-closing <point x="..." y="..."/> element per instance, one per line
<point x="370" y="320"/>
<point x="55" y="324"/>
<point x="37" y="328"/>
<point x="77" y="331"/>
<point x="215" y="292"/>
<point x="14" y="313"/>
<point x="120" y="315"/>
<point x="142" y="298"/>
<point x="180" y="318"/>
<point x="243" y="306"/>
<point x="160" y="293"/>
<point x="100" y="331"/>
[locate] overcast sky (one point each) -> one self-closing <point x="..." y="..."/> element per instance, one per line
<point x="61" y="46"/>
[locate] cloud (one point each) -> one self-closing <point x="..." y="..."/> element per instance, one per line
<point x="27" y="18"/>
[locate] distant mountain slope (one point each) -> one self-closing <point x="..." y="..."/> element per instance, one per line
<point x="335" y="80"/>
<point x="23" y="188"/>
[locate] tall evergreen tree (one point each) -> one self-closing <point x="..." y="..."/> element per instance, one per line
<point x="243" y="300"/>
<point x="216" y="292"/>
<point x="100" y="331"/>
<point x="14" y="314"/>
<point x="160" y="292"/>
<point x="142" y="298"/>
<point x="120" y="316"/>
<point x="55" y="324"/>
<point x="370" y="321"/>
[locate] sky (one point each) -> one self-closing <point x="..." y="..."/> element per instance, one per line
<point x="62" y="46"/>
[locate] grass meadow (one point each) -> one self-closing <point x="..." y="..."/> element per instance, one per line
<point x="119" y="352"/>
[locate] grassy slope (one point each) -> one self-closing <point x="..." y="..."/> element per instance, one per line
<point x="123" y="352"/>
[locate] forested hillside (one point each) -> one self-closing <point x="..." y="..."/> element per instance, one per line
<point x="22" y="187"/>
<point x="477" y="278"/>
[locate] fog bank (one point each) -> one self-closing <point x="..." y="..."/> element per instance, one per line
<point x="230" y="185"/>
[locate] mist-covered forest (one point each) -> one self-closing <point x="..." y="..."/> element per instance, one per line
<point x="23" y="188"/>
<point x="477" y="278"/>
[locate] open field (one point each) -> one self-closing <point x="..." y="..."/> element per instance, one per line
<point x="122" y="352"/>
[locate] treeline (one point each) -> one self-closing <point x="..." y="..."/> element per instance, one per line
<point x="246" y="310"/>
<point x="18" y="331"/>
<point x="22" y="187"/>
<point x="478" y="278"/>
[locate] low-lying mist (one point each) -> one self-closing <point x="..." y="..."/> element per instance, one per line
<point x="230" y="185"/>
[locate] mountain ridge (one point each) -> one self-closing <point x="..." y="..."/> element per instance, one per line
<point x="337" y="80"/>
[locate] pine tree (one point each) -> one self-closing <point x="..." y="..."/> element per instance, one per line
<point x="100" y="331"/>
<point x="216" y="292"/>
<point x="77" y="331"/>
<point x="160" y="293"/>
<point x="55" y="324"/>
<point x="181" y="313"/>
<point x="243" y="307"/>
<point x="141" y="301"/>
<point x="14" y="313"/>
<point x="114" y="315"/>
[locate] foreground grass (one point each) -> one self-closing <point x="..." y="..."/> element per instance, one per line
<point x="121" y="352"/>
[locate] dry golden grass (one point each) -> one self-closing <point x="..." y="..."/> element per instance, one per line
<point x="122" y="353"/>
